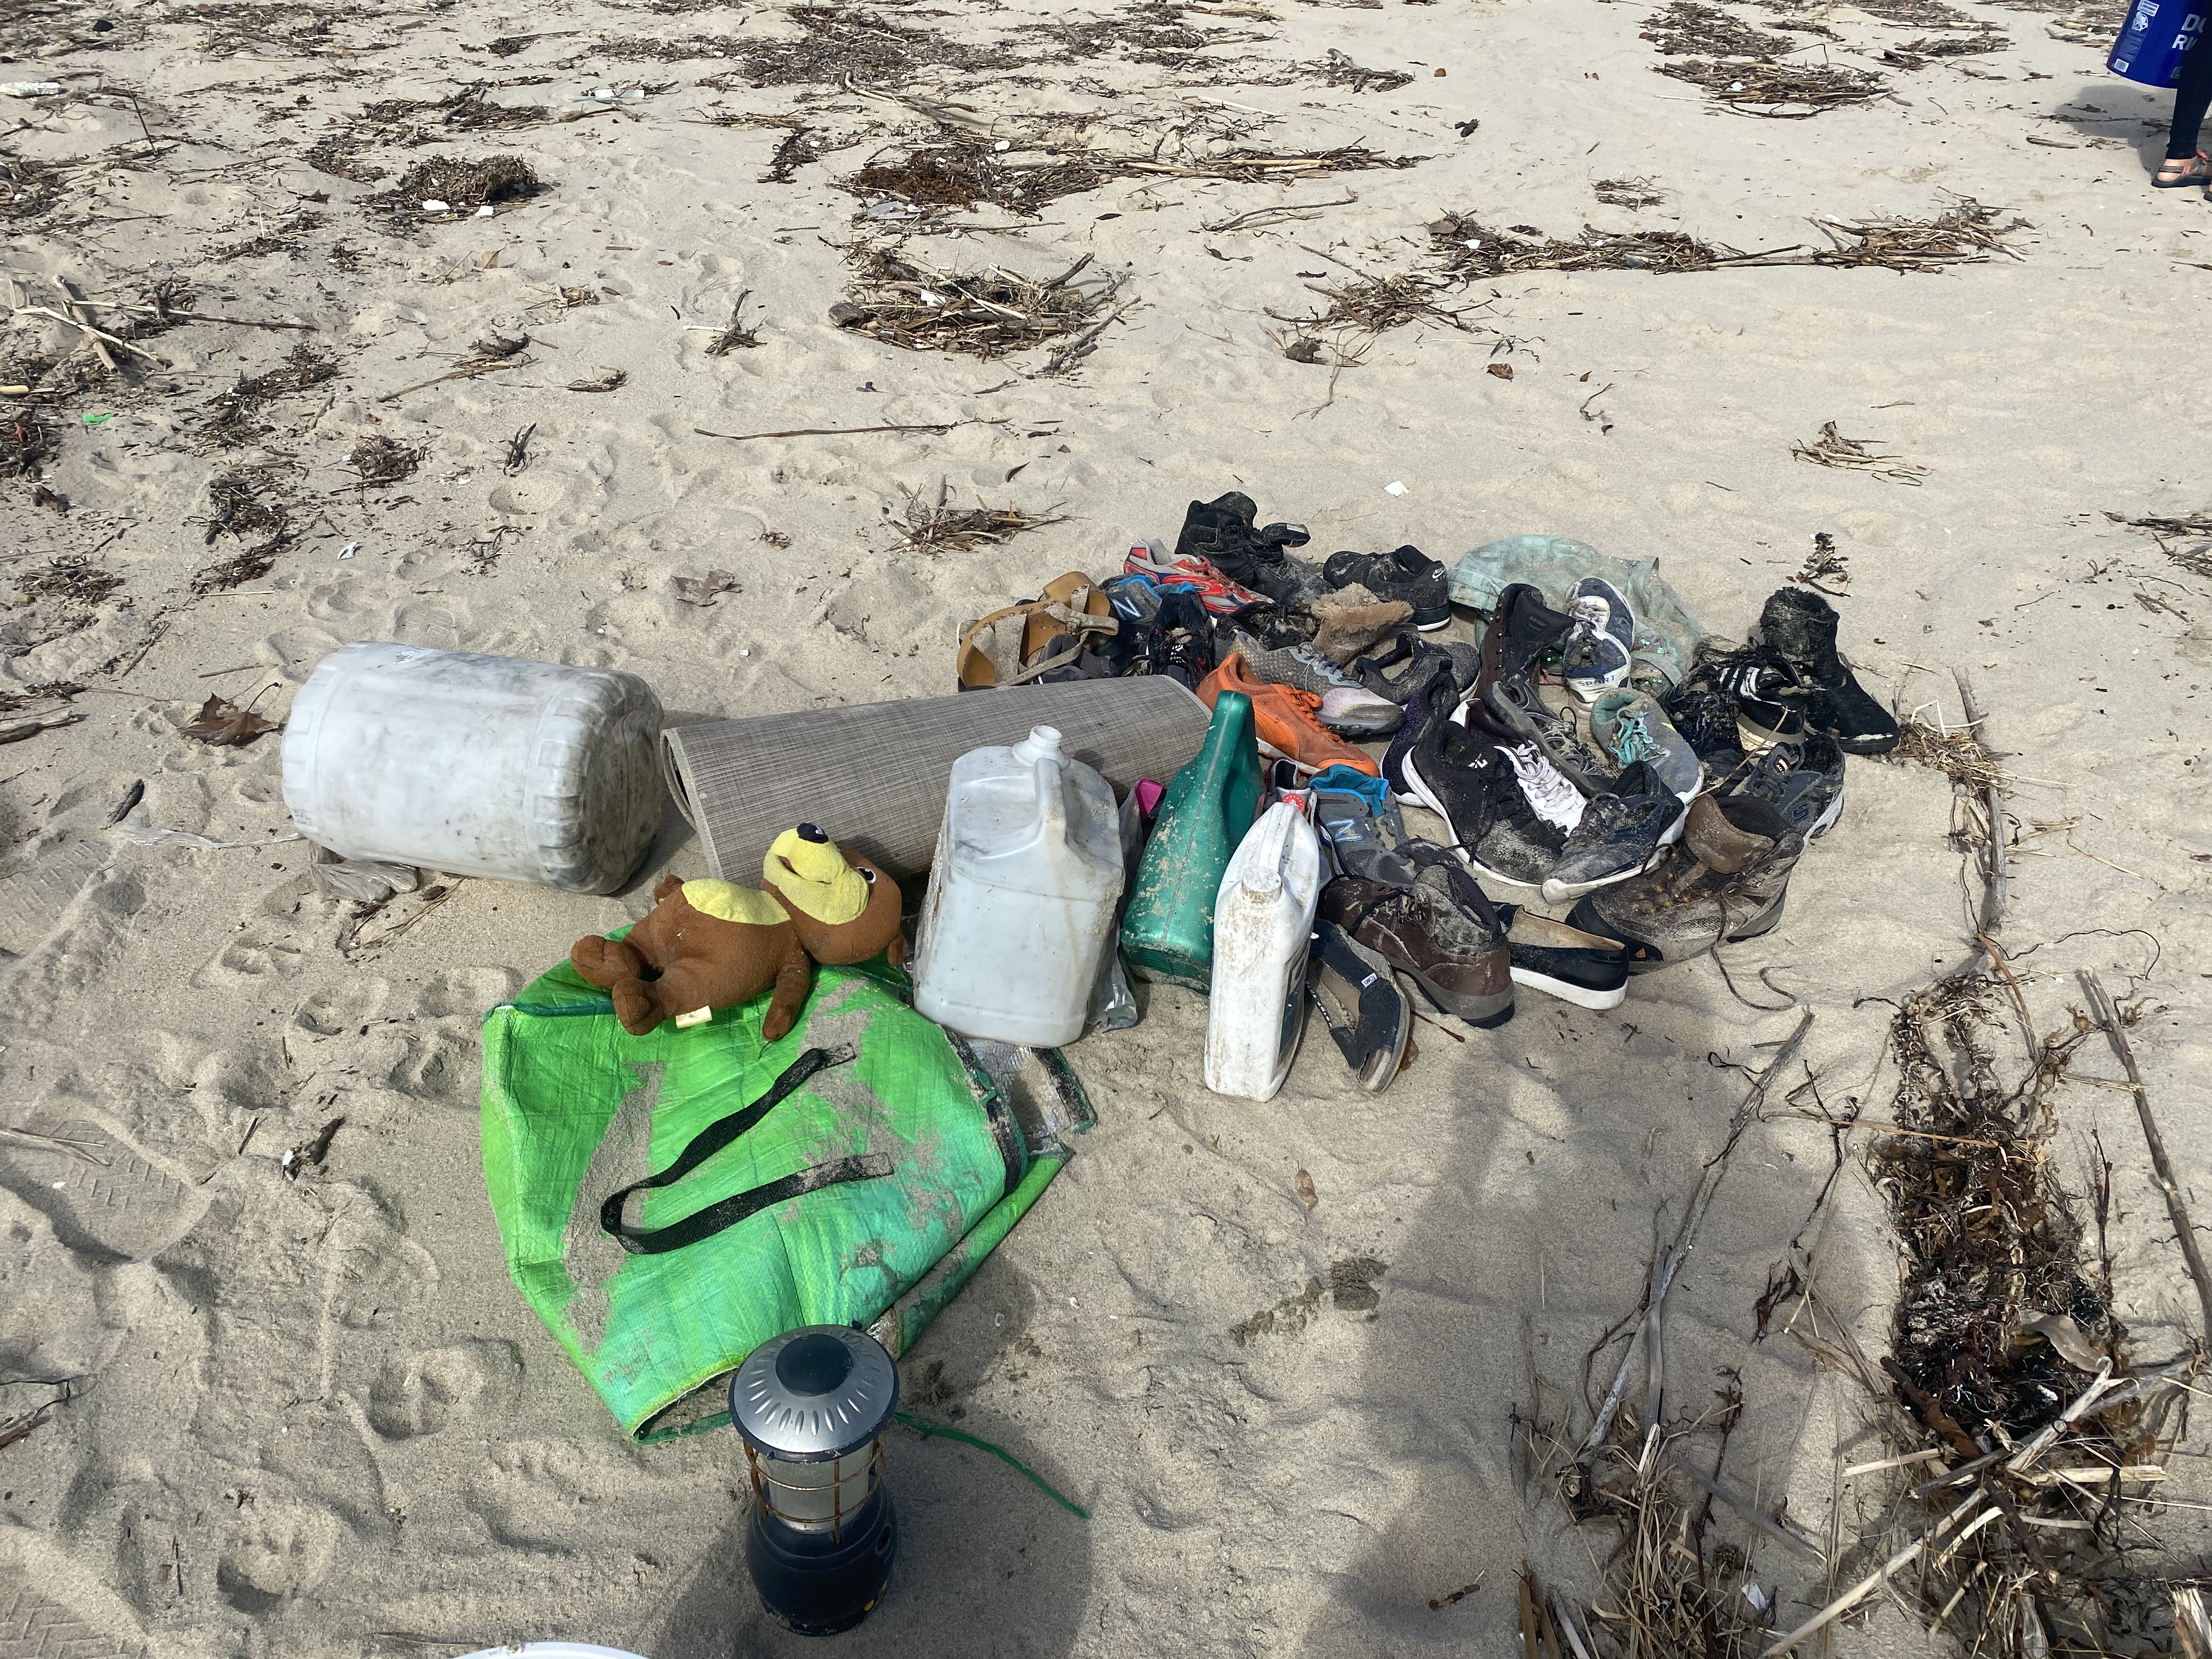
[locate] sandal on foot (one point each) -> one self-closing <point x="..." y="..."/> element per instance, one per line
<point x="2192" y="172"/>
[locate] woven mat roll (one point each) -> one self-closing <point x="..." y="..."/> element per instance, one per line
<point x="874" y="775"/>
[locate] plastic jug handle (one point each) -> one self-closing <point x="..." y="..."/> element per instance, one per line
<point x="1273" y="836"/>
<point x="1052" y="803"/>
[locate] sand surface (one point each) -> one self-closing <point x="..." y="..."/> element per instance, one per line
<point x="313" y="1417"/>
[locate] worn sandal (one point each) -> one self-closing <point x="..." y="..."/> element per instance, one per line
<point x="1361" y="1004"/>
<point x="2193" y="173"/>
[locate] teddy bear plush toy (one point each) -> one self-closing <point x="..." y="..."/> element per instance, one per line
<point x="709" y="945"/>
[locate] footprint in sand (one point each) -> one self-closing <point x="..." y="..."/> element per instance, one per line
<point x="534" y="1497"/>
<point x="99" y="1195"/>
<point x="419" y="1394"/>
<point x="281" y="1551"/>
<point x="260" y="955"/>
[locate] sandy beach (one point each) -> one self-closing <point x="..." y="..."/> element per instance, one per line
<point x="277" y="1416"/>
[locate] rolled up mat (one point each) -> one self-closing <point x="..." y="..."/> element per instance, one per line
<point x="874" y="775"/>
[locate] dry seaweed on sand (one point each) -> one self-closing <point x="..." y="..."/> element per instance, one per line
<point x="340" y="156"/>
<point x="462" y="185"/>
<point x="27" y="443"/>
<point x="986" y="313"/>
<point x="608" y="379"/>
<point x="1686" y="28"/>
<point x="471" y="109"/>
<point x="936" y="526"/>
<point x="231" y="416"/>
<point x="1831" y="448"/>
<point x="1823" y="564"/>
<point x="244" y="502"/>
<point x="963" y="172"/>
<point x="28" y="187"/>
<point x="1957" y="752"/>
<point x="377" y="460"/>
<point x="1631" y="193"/>
<point x="736" y="335"/>
<point x="1336" y="69"/>
<point x="1792" y="92"/>
<point x="1966" y="232"/>
<point x="1359" y="310"/>
<point x="73" y="581"/>
<point x="837" y="42"/>
<point x="2191" y="524"/>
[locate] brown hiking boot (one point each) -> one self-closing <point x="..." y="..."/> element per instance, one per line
<point x="1454" y="949"/>
<point x="1725" y="880"/>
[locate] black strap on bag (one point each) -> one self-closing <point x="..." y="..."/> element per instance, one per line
<point x="705" y="1223"/>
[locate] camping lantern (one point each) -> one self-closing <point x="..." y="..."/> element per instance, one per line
<point x="813" y="1406"/>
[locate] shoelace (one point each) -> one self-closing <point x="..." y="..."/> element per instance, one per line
<point x="1328" y="670"/>
<point x="1552" y="797"/>
<point x="1633" y="740"/>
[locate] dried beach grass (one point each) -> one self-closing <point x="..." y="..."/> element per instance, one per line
<point x="377" y="460"/>
<point x="1686" y="28"/>
<point x="1792" y="92"/>
<point x="1965" y="233"/>
<point x="1957" y="752"/>
<point x="1831" y="448"/>
<point x="987" y="313"/>
<point x="841" y="43"/>
<point x="231" y="417"/>
<point x="934" y="528"/>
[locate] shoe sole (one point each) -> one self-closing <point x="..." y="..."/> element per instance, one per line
<point x="1362" y="733"/>
<point x="1758" y="927"/>
<point x="1443" y="620"/>
<point x="1581" y="995"/>
<point x="1485" y="1012"/>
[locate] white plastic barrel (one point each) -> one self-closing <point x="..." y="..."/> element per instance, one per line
<point x="475" y="765"/>
<point x="1022" y="895"/>
<point x="1262" y="924"/>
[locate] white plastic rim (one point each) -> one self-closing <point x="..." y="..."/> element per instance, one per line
<point x="554" y="1651"/>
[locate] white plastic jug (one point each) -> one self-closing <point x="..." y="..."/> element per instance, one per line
<point x="475" y="765"/>
<point x="1262" y="924"/>
<point x="1022" y="895"/>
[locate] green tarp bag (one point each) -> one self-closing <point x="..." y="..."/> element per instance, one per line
<point x="669" y="1202"/>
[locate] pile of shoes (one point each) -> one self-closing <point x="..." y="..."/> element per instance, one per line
<point x="1658" y="818"/>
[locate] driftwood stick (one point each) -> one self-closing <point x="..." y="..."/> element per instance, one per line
<point x="1993" y="858"/>
<point x="2184" y="1232"/>
<point x="86" y="328"/>
<point x="1874" y="1581"/>
<point x="76" y="308"/>
<point x="1749" y="1511"/>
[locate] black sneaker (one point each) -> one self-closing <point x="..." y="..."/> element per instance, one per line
<point x="1587" y="970"/>
<point x="1804" y="782"/>
<point x="1423" y="661"/>
<point x="1408" y="574"/>
<point x="1179" y="641"/>
<point x="1514" y="700"/>
<point x="1623" y="833"/>
<point x="1222" y="532"/>
<point x="1799" y="627"/>
<point x="1768" y="697"/>
<point x="1522" y="630"/>
<point x="1469" y="781"/>
<point x="1705" y="715"/>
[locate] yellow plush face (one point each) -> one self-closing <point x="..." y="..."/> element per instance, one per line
<point x="815" y="878"/>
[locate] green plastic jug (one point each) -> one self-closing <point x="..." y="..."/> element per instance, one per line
<point x="1167" y="931"/>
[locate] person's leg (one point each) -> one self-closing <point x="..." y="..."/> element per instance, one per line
<point x="2192" y="95"/>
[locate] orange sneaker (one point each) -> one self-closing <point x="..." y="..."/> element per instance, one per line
<point x="1284" y="717"/>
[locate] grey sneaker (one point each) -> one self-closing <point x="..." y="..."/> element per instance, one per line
<point x="1597" y="655"/>
<point x="1803" y="782"/>
<point x="1623" y="833"/>
<point x="1634" y="729"/>
<point x="1725" y="880"/>
<point x="1361" y="842"/>
<point x="1514" y="700"/>
<point x="1347" y="708"/>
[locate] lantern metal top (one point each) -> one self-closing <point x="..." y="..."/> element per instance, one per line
<point x="814" y="1394"/>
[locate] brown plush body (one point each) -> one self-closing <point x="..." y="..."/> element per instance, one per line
<point x="679" y="959"/>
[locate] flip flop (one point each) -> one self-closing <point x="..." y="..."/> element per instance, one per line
<point x="2187" y="180"/>
<point x="1361" y="1004"/>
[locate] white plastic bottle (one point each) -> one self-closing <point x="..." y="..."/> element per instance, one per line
<point x="476" y="765"/>
<point x="1022" y="895"/>
<point x="1262" y="924"/>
